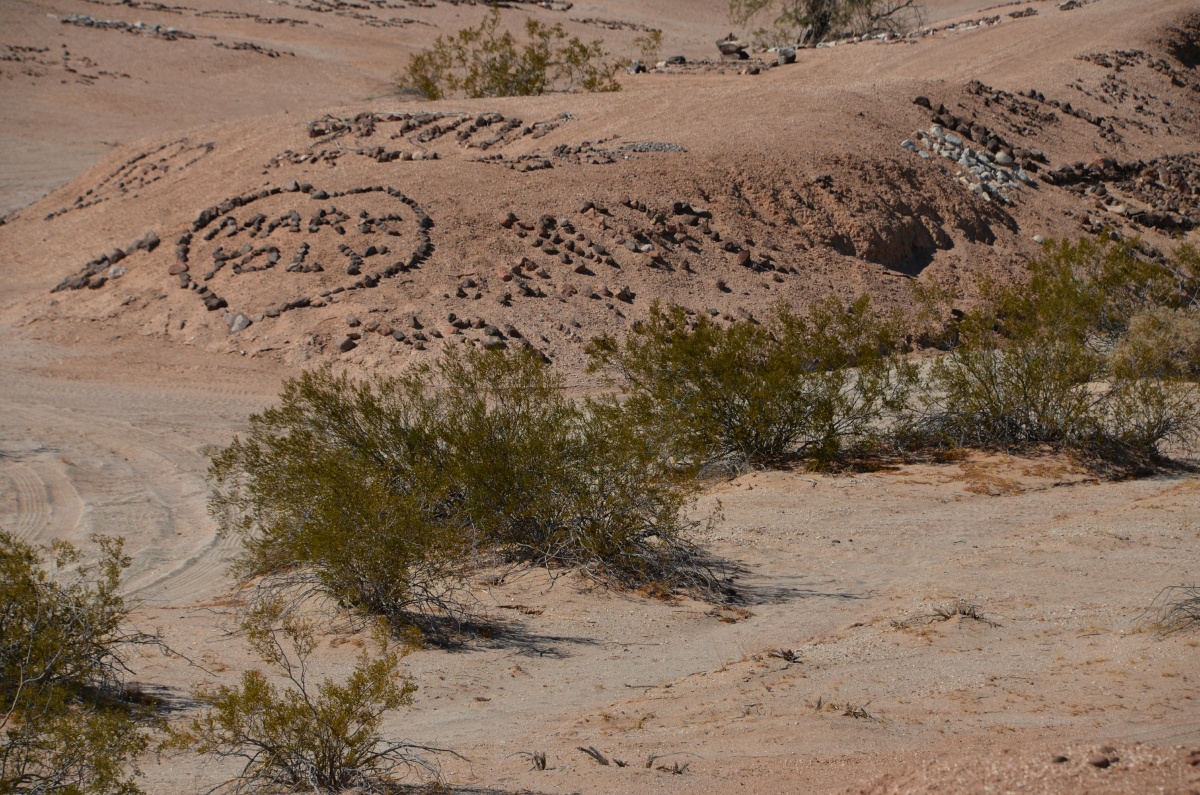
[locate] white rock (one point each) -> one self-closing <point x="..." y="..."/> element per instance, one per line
<point x="1004" y="158"/>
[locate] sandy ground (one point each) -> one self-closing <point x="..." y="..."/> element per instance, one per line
<point x="109" y="397"/>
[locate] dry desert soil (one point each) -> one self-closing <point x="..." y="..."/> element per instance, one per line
<point x="134" y="125"/>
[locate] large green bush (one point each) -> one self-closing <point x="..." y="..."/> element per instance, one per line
<point x="386" y="494"/>
<point x="556" y="482"/>
<point x="799" y="386"/>
<point x="342" y="490"/>
<point x="68" y="724"/>
<point x="1096" y="352"/>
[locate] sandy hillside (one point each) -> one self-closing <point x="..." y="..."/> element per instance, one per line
<point x="197" y="205"/>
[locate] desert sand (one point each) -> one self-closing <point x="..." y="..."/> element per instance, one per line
<point x="835" y="673"/>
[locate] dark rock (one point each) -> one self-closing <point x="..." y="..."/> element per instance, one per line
<point x="345" y="344"/>
<point x="732" y="47"/>
<point x="353" y="322"/>
<point x="148" y="243"/>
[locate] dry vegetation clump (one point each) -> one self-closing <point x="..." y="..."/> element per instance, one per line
<point x="808" y="22"/>
<point x="68" y="721"/>
<point x="1176" y="609"/>
<point x="487" y="62"/>
<point x="1096" y="353"/>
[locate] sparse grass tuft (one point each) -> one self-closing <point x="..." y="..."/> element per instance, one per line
<point x="957" y="608"/>
<point x="1176" y="609"/>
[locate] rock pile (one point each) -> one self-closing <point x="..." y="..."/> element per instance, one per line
<point x="733" y="49"/>
<point x="139" y="171"/>
<point x="136" y="28"/>
<point x="103" y="269"/>
<point x="1168" y="188"/>
<point x="991" y="177"/>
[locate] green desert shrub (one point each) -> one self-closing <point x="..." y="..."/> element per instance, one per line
<point x="68" y="722"/>
<point x="556" y="482"/>
<point x="488" y="62"/>
<point x="810" y="386"/>
<point x="341" y="490"/>
<point x="300" y="735"/>
<point x="1096" y="352"/>
<point x="386" y="494"/>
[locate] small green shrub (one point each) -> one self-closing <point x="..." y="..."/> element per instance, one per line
<point x="304" y="736"/>
<point x="811" y="386"/>
<point x="486" y="62"/>
<point x="69" y="724"/>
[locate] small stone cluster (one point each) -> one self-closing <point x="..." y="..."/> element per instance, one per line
<point x="559" y="238"/>
<point x="990" y="177"/>
<point x="614" y="24"/>
<point x="249" y="46"/>
<point x="589" y="153"/>
<point x="136" y="28"/>
<point x="99" y="271"/>
<point x="139" y="171"/>
<point x="1168" y="186"/>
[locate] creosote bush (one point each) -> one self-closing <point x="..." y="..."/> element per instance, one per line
<point x="306" y="736"/>
<point x="488" y="62"/>
<point x="814" y="386"/>
<point x="385" y="495"/>
<point x="1093" y="354"/>
<point x="68" y="723"/>
<point x="341" y="491"/>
